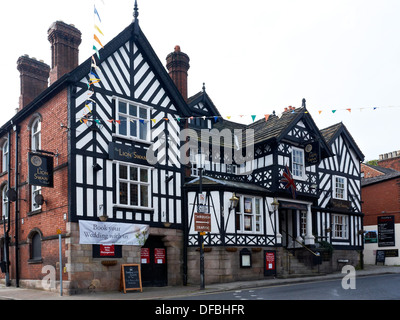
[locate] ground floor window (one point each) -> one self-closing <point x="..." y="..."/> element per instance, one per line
<point x="249" y="215"/>
<point x="340" y="226"/>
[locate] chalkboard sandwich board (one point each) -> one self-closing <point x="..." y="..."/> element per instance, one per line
<point x="131" y="278"/>
<point x="380" y="256"/>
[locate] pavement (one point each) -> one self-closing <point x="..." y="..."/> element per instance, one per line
<point x="13" y="293"/>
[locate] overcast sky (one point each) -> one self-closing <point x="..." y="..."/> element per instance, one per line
<point x="255" y="56"/>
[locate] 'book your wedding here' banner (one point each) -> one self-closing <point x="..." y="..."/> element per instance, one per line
<point x="110" y="233"/>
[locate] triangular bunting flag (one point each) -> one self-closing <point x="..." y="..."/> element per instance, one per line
<point x="253" y="117"/>
<point x="266" y="117"/>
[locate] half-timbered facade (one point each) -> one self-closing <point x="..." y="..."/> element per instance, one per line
<point x="323" y="210"/>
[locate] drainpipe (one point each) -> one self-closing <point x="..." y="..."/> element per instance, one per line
<point x="7" y="229"/>
<point x="16" y="204"/>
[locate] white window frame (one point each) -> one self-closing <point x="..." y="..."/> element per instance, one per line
<point x="130" y="182"/>
<point x="5" y="151"/>
<point x="335" y="186"/>
<point x="35" y="190"/>
<point x="4" y="202"/>
<point x="250" y="215"/>
<point x="127" y="119"/>
<point x="295" y="174"/>
<point x="36" y="135"/>
<point x="340" y="226"/>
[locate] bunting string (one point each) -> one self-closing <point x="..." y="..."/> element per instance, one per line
<point x="88" y="118"/>
<point x="253" y="117"/>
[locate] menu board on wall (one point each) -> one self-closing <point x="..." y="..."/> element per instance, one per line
<point x="386" y="236"/>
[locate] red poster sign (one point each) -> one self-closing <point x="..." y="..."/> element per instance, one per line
<point x="107" y="251"/>
<point x="145" y="256"/>
<point x="159" y="256"/>
<point x="269" y="263"/>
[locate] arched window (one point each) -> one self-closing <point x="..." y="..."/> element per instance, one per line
<point x="4" y="203"/>
<point x="5" y="150"/>
<point x="36" y="135"/>
<point x="35" y="246"/>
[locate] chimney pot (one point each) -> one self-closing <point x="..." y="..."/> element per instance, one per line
<point x="34" y="77"/>
<point x="178" y="67"/>
<point x="65" y="40"/>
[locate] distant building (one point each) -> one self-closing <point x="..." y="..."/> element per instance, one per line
<point x="381" y="206"/>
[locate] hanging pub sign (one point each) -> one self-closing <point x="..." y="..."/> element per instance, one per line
<point x="40" y="170"/>
<point x="127" y="153"/>
<point x="312" y="153"/>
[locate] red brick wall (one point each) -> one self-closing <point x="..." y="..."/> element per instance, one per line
<point x="381" y="197"/>
<point x="54" y="139"/>
<point x="393" y="163"/>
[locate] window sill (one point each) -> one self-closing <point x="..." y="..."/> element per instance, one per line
<point x="122" y="206"/>
<point x="119" y="136"/>
<point x="35" y="261"/>
<point x="35" y="212"/>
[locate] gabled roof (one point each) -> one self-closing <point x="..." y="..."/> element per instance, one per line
<point x="132" y="31"/>
<point x="202" y="97"/>
<point x="331" y="133"/>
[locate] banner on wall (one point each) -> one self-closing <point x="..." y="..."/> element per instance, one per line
<point x="110" y="233"/>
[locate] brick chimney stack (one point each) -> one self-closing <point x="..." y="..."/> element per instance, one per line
<point x="65" y="40"/>
<point x="178" y="67"/>
<point x="34" y="77"/>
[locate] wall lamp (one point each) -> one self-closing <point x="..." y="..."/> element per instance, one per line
<point x="234" y="201"/>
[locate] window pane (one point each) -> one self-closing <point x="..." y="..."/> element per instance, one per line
<point x="134" y="174"/>
<point x="134" y="195"/>
<point x="144" y="176"/>
<point x="133" y="130"/>
<point x="144" y="196"/>
<point x="132" y="110"/>
<point x="123" y="172"/>
<point x="123" y="193"/>
<point x="122" y="107"/>
<point x="248" y="223"/>
<point x="143" y="113"/>
<point x="123" y="126"/>
<point x="143" y="130"/>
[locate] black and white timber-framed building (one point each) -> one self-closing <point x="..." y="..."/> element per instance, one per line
<point x="140" y="110"/>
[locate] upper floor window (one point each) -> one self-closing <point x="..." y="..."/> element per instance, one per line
<point x="133" y="187"/>
<point x="134" y="120"/>
<point x="298" y="168"/>
<point x="339" y="188"/>
<point x="5" y="150"/>
<point x="36" y="135"/>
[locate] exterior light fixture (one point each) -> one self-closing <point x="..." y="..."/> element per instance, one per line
<point x="103" y="217"/>
<point x="275" y="205"/>
<point x="233" y="201"/>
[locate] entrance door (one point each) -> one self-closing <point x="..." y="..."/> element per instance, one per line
<point x="154" y="263"/>
<point x="288" y="227"/>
